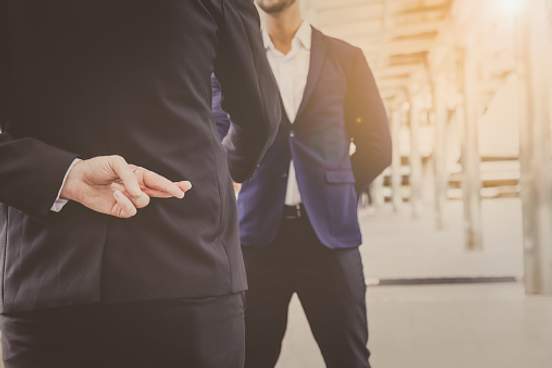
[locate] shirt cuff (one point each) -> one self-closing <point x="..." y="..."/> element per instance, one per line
<point x="60" y="202"/>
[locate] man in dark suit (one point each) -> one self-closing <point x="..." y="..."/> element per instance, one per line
<point x="102" y="264"/>
<point x="298" y="213"/>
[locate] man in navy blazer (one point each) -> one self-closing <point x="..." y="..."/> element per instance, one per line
<point x="298" y="212"/>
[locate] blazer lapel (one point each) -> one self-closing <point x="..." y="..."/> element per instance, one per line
<point x="317" y="61"/>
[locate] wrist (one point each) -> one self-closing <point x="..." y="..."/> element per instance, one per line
<point x="73" y="183"/>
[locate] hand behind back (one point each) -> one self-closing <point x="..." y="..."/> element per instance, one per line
<point x="109" y="185"/>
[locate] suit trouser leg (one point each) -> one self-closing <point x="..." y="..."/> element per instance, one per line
<point x="332" y="292"/>
<point x="183" y="333"/>
<point x="267" y="302"/>
<point x="59" y="337"/>
<point x="330" y="285"/>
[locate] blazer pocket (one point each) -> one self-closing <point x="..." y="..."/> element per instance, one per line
<point x="340" y="177"/>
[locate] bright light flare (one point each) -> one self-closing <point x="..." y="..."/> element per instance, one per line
<point x="512" y="7"/>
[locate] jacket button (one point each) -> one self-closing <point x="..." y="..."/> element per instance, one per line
<point x="359" y="120"/>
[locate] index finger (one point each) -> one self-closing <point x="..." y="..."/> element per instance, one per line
<point x="158" y="183"/>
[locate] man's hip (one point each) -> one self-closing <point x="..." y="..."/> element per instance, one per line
<point x="199" y="333"/>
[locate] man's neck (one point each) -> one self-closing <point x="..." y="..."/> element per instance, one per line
<point x="282" y="27"/>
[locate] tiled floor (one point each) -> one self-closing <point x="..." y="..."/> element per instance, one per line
<point x="475" y="326"/>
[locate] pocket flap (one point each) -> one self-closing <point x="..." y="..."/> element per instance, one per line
<point x="340" y="177"/>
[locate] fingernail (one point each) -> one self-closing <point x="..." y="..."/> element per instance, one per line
<point x="187" y="187"/>
<point x="178" y="193"/>
<point x="144" y="200"/>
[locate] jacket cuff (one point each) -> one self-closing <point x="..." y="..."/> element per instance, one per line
<point x="60" y="202"/>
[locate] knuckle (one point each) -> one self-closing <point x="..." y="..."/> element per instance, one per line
<point x="118" y="159"/>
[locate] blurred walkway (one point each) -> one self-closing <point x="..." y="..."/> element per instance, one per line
<point x="397" y="246"/>
<point x="475" y="326"/>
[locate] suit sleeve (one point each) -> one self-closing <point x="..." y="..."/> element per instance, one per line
<point x="31" y="172"/>
<point x="250" y="90"/>
<point x="367" y="123"/>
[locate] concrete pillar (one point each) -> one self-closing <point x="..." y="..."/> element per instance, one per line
<point x="415" y="158"/>
<point x="535" y="141"/>
<point x="396" y="168"/>
<point x="377" y="192"/>
<point x="440" y="175"/>
<point x="471" y="160"/>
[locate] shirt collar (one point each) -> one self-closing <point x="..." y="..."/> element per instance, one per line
<point x="303" y="36"/>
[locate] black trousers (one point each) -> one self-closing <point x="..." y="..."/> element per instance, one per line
<point x="331" y="288"/>
<point x="202" y="333"/>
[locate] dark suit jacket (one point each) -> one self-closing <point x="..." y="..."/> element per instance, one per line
<point x="341" y="104"/>
<point x="89" y="78"/>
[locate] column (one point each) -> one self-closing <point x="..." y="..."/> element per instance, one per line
<point x="415" y="158"/>
<point x="471" y="160"/>
<point x="396" y="167"/>
<point x="535" y="151"/>
<point x="439" y="150"/>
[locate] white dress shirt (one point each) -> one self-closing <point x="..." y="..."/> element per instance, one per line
<point x="291" y="71"/>
<point x="59" y="203"/>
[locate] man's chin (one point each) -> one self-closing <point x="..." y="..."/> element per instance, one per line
<point x="276" y="8"/>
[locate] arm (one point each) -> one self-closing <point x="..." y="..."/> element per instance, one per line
<point x="250" y="90"/>
<point x="367" y="123"/>
<point x="32" y="172"/>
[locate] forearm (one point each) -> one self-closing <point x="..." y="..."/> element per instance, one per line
<point x="373" y="148"/>
<point x="367" y="123"/>
<point x="244" y="151"/>
<point x="31" y="173"/>
<point x="249" y="88"/>
<point x="369" y="163"/>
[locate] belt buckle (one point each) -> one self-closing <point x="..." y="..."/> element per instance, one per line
<point x="298" y="211"/>
<point x="297" y="215"/>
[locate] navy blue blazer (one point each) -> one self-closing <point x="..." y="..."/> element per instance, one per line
<point x="341" y="104"/>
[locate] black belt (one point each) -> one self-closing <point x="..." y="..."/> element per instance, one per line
<point x="294" y="212"/>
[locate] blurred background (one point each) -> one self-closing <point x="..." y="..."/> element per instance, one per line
<point x="458" y="232"/>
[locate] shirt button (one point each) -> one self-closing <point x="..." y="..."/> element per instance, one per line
<point x="292" y="134"/>
<point x="359" y="120"/>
